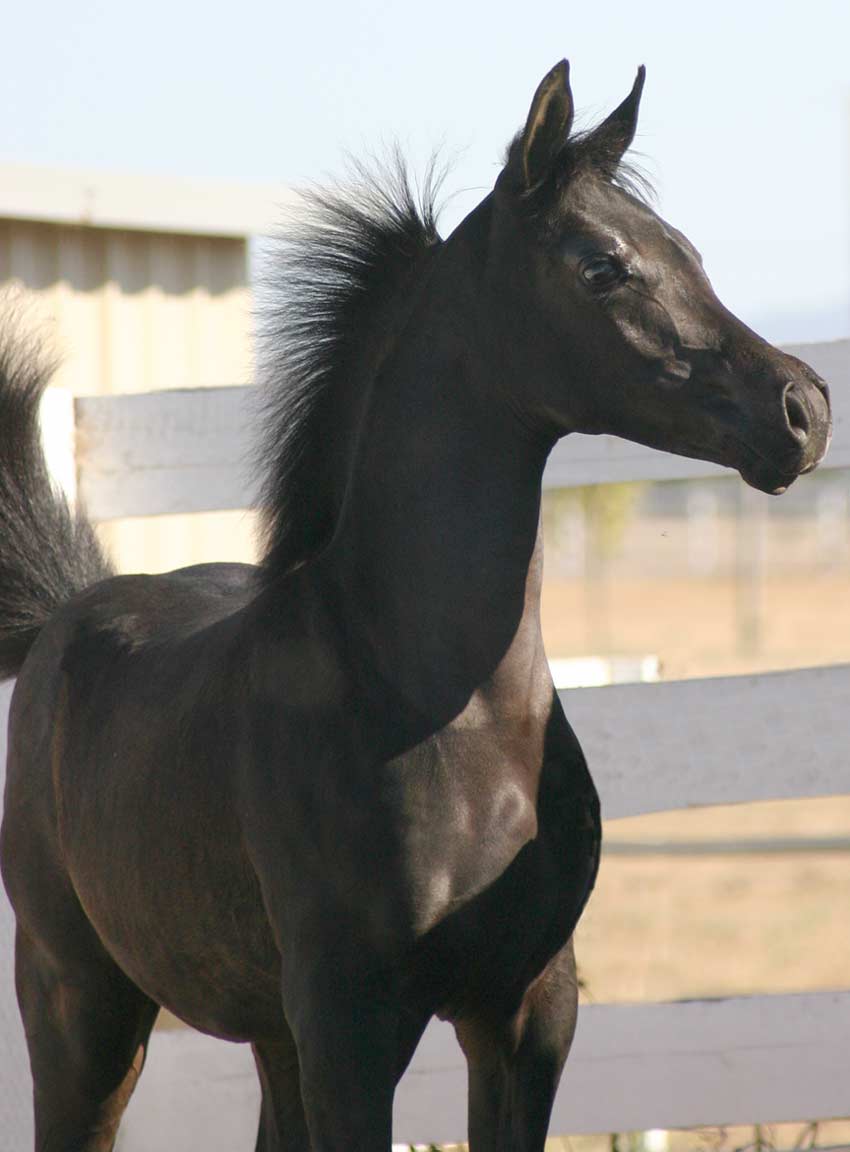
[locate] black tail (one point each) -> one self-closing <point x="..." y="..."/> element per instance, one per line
<point x="46" y="551"/>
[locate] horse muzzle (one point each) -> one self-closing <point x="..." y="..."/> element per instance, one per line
<point x="801" y="442"/>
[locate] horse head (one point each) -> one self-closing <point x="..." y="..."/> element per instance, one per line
<point x="599" y="282"/>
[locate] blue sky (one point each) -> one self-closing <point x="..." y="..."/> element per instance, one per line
<point x="745" y="125"/>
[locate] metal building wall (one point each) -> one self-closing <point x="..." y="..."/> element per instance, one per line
<point x="130" y="311"/>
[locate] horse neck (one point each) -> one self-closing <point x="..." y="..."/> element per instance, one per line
<point x="434" y="571"/>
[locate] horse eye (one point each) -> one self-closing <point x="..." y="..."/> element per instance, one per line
<point x="602" y="271"/>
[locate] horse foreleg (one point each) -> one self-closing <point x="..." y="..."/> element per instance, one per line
<point x="283" y="1126"/>
<point x="515" y="1064"/>
<point x="87" y="1028"/>
<point x="353" y="1047"/>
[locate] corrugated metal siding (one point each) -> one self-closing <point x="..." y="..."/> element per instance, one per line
<point x="131" y="311"/>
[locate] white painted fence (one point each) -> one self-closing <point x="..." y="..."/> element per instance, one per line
<point x="653" y="747"/>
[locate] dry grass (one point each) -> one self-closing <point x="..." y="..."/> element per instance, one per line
<point x="693" y="625"/>
<point x="661" y="928"/>
<point x="666" y="929"/>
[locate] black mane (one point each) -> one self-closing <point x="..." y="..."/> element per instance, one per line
<point x="347" y="255"/>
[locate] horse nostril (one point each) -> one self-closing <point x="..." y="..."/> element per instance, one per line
<point x="797" y="415"/>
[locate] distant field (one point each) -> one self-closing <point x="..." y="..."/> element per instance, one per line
<point x="661" y="928"/>
<point x="672" y="928"/>
<point x="694" y="625"/>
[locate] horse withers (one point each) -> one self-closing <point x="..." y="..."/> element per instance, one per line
<point x="309" y="805"/>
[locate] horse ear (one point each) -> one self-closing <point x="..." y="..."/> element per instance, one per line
<point x="547" y="128"/>
<point x="614" y="135"/>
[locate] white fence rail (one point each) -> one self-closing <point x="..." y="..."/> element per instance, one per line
<point x="186" y="451"/>
<point x="651" y="748"/>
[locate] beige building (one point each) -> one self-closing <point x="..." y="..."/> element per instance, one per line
<point x="139" y="284"/>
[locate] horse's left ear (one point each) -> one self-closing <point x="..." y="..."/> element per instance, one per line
<point x="546" y="130"/>
<point x="615" y="134"/>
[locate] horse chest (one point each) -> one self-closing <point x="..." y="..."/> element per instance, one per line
<point x="501" y="887"/>
<point x="491" y="941"/>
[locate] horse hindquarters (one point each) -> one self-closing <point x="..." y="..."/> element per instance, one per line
<point x="86" y="1024"/>
<point x="87" y="1029"/>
